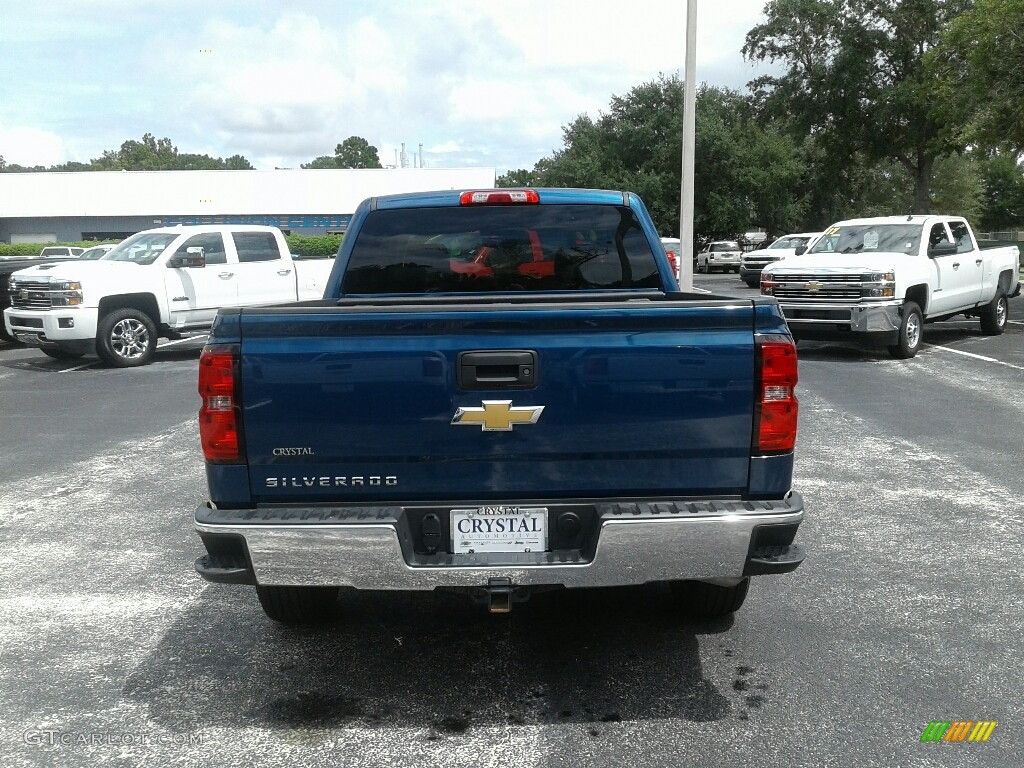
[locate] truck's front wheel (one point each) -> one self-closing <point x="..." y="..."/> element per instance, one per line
<point x="995" y="314"/>
<point x="910" y="333"/>
<point x="126" y="338"/>
<point x="297" y="605"/>
<point x="702" y="600"/>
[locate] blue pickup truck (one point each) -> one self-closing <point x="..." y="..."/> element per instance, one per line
<point x="501" y="392"/>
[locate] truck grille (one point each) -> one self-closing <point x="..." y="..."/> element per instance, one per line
<point x="817" y="287"/>
<point x="31" y="295"/>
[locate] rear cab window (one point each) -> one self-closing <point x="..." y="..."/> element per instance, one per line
<point x="256" y="246"/>
<point x="549" y="247"/>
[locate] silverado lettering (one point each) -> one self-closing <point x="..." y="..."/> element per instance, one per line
<point x="666" y="452"/>
<point x="328" y="482"/>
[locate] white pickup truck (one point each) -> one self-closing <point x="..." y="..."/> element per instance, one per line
<point x="880" y="279"/>
<point x="161" y="282"/>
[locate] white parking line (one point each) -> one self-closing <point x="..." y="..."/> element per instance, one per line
<point x="77" y="367"/>
<point x="159" y="346"/>
<point x="976" y="357"/>
<point x="182" y="341"/>
<point x="1016" y="322"/>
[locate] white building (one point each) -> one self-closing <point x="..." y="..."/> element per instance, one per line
<point x="68" y="207"/>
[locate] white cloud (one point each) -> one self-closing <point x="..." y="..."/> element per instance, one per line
<point x="22" y="145"/>
<point x="491" y="83"/>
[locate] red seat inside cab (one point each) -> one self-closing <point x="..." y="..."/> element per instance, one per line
<point x="519" y="252"/>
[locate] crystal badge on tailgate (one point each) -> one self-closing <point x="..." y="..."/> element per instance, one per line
<point x="499" y="529"/>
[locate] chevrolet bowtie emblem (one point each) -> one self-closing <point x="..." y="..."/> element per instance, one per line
<point x="814" y="285"/>
<point x="498" y="415"/>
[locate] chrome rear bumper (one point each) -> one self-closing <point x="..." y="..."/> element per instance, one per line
<point x="372" y="547"/>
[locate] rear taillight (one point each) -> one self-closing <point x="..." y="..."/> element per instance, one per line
<point x="219" y="413"/>
<point x="496" y="196"/>
<point x="673" y="261"/>
<point x="775" y="411"/>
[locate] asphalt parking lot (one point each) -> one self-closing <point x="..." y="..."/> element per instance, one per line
<point x="908" y="610"/>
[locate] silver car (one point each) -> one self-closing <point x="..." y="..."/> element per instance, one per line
<point x="721" y="255"/>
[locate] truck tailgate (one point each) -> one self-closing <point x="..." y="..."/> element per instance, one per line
<point x="639" y="399"/>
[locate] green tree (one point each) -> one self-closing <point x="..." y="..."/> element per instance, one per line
<point x="149" y="154"/>
<point x="886" y="189"/>
<point x="6" y="167"/>
<point x="858" y="80"/>
<point x="745" y="174"/>
<point x="1002" y="177"/>
<point x="980" y="59"/>
<point x="73" y="165"/>
<point x="959" y="187"/>
<point x="237" y="163"/>
<point x="357" y="152"/>
<point x="324" y="161"/>
<point x="353" y="152"/>
<point x="152" y="154"/>
<point x="188" y="161"/>
<point x="517" y="178"/>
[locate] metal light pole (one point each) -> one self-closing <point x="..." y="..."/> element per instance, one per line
<point x="689" y="141"/>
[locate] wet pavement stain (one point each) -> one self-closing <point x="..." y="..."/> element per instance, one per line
<point x="557" y="659"/>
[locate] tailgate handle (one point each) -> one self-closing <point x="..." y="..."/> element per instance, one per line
<point x="497" y="369"/>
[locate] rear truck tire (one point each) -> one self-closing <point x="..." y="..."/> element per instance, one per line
<point x="995" y="314"/>
<point x="700" y="600"/>
<point x="126" y="338"/>
<point x="910" y="333"/>
<point x="702" y="268"/>
<point x="297" y="605"/>
<point x="60" y="354"/>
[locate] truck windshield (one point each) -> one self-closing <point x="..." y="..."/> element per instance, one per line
<point x="791" y="243"/>
<point x="861" y="238"/>
<point x="143" y="248"/>
<point x="500" y="248"/>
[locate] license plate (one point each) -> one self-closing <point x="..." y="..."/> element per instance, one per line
<point x="499" y="529"/>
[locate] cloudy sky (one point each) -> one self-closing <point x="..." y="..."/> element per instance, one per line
<point x="283" y="81"/>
